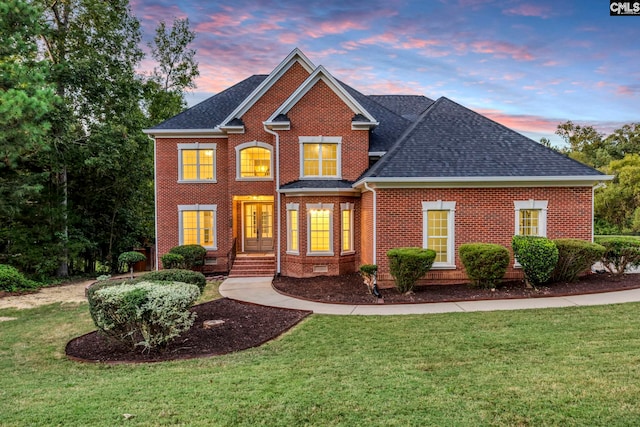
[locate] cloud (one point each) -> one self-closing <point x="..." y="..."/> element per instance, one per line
<point x="534" y="10"/>
<point x="521" y="122"/>
<point x="501" y="49"/>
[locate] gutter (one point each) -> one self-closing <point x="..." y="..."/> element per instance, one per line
<point x="279" y="220"/>
<point x="375" y="221"/>
<point x="155" y="197"/>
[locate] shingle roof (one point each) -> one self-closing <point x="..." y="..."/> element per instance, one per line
<point x="449" y="140"/>
<point x="324" y="184"/>
<point x="212" y="111"/>
<point x="408" y="106"/>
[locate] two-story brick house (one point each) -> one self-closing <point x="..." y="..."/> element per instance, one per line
<point x="300" y="168"/>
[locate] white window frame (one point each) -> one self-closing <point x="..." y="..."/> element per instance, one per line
<point x="251" y="144"/>
<point x="439" y="205"/>
<point x="293" y="207"/>
<point x="197" y="146"/>
<point x="317" y="206"/>
<point x="346" y="207"/>
<point x="199" y="208"/>
<point x="536" y="205"/>
<point x="337" y="140"/>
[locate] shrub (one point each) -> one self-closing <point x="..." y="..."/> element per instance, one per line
<point x="147" y="315"/>
<point x="130" y="258"/>
<point x="368" y="273"/>
<point x="407" y="265"/>
<point x="171" y="260"/>
<point x="11" y="280"/>
<point x="620" y="253"/>
<point x="485" y="263"/>
<point x="177" y="275"/>
<point x="575" y="257"/>
<point x="538" y="257"/>
<point x="193" y="255"/>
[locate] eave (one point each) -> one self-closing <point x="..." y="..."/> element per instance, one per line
<point x="191" y="133"/>
<point x="485" y="181"/>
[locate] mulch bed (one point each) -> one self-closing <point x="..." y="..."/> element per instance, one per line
<point x="350" y="289"/>
<point x="245" y="326"/>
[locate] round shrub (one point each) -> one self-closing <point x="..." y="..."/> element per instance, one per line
<point x="485" y="263"/>
<point x="144" y="315"/>
<point x="538" y="257"/>
<point x="129" y="259"/>
<point x="575" y="257"/>
<point x="177" y="275"/>
<point x="193" y="255"/>
<point x="620" y="253"/>
<point x="11" y="280"/>
<point x="408" y="265"/>
<point x="171" y="260"/>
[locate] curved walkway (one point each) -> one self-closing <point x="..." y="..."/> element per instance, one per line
<point x="258" y="290"/>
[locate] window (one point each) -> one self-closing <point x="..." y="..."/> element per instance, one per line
<point x="346" y="213"/>
<point x="320" y="157"/>
<point x="254" y="161"/>
<point x="196" y="162"/>
<point x="320" y="229"/>
<point x="197" y="224"/>
<point x="293" y="229"/>
<point x="531" y="218"/>
<point x="438" y="231"/>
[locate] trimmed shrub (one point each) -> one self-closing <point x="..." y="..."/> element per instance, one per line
<point x="575" y="257"/>
<point x="485" y="263"/>
<point x="193" y="255"/>
<point x="620" y="253"/>
<point x="171" y="260"/>
<point x="144" y="315"/>
<point x="11" y="280"/>
<point x="408" y="265"/>
<point x="177" y="275"/>
<point x="538" y="257"/>
<point x="368" y="273"/>
<point x="129" y="259"/>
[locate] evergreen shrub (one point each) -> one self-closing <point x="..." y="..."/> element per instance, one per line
<point x="11" y="280"/>
<point x="574" y="257"/>
<point x="621" y="252"/>
<point x="485" y="263"/>
<point x="193" y="255"/>
<point x="172" y="260"/>
<point x="538" y="257"/>
<point x="408" y="265"/>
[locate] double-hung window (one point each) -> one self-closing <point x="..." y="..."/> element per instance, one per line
<point x="293" y="229"/>
<point x="346" y="217"/>
<point x="531" y="218"/>
<point x="438" y="220"/>
<point x="320" y="157"/>
<point x="320" y="229"/>
<point x="197" y="225"/>
<point x="197" y="162"/>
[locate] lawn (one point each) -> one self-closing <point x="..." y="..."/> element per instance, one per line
<point x="570" y="366"/>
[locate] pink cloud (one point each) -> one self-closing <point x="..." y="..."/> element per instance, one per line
<point x="334" y="27"/>
<point x="628" y="90"/>
<point x="502" y="49"/>
<point x="521" y="122"/>
<point x="529" y="10"/>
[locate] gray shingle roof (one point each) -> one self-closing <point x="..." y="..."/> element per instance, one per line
<point x="317" y="184"/>
<point x="212" y="111"/>
<point x="449" y="140"/>
<point x="408" y="106"/>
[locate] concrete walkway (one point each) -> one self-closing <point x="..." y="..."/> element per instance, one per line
<point x="258" y="290"/>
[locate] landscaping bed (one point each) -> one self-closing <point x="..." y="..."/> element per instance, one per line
<point x="350" y="289"/>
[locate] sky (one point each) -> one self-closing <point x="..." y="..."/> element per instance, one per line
<point x="527" y="64"/>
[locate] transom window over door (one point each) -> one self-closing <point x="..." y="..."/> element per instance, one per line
<point x="197" y="162"/>
<point x="439" y="231"/>
<point x="254" y="161"/>
<point x="320" y="157"/>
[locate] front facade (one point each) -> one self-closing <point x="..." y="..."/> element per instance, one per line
<point x="298" y="166"/>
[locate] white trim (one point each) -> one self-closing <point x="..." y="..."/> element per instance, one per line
<point x="318" y="206"/>
<point x="439" y="205"/>
<point x="486" y="181"/>
<point x="377" y="153"/>
<point x="537" y="205"/>
<point x="350" y="208"/>
<point x="293" y="207"/>
<point x="318" y="74"/>
<point x="336" y="140"/>
<point x="197" y="146"/>
<point x="251" y="144"/>
<point x="199" y="208"/>
<point x="155" y="197"/>
<point x="320" y="191"/>
<point x="191" y="133"/>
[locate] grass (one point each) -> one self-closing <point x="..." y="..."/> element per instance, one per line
<point x="570" y="366"/>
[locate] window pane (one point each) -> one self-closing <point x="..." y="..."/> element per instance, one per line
<point x="529" y="222"/>
<point x="206" y="164"/>
<point x="293" y="230"/>
<point x="206" y="228"/>
<point x="189" y="164"/>
<point x="189" y="228"/>
<point x="438" y="234"/>
<point x="311" y="160"/>
<point x="439" y="244"/>
<point x="346" y="231"/>
<point x="255" y="162"/>
<point x="319" y="230"/>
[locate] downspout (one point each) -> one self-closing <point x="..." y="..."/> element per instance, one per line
<point x="375" y="221"/>
<point x="278" y="220"/>
<point x="155" y="197"/>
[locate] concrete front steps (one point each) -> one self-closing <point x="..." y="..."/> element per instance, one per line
<point x="253" y="266"/>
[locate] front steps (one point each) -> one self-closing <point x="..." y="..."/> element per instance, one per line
<point x="253" y="266"/>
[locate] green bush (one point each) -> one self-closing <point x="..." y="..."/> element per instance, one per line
<point x="538" y="257"/>
<point x="575" y="257"/>
<point x="171" y="260"/>
<point x="130" y="258"/>
<point x="177" y="275"/>
<point x="11" y="280"/>
<point x="193" y="255"/>
<point x="485" y="263"/>
<point x="620" y="253"/>
<point x="144" y="315"/>
<point x="408" y="265"/>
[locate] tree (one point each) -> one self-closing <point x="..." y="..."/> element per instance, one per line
<point x="585" y="144"/>
<point x="619" y="202"/>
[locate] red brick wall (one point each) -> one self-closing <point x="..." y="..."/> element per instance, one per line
<point x="366" y="227"/>
<point x="482" y="215"/>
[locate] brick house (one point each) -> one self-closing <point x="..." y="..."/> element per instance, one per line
<point x="302" y="175"/>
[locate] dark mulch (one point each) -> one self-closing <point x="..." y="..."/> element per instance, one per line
<point x="350" y="289"/>
<point x="246" y="326"/>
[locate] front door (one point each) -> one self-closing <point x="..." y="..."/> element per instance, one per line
<point x="258" y="227"/>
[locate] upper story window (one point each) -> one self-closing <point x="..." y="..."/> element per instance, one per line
<point x="320" y="156"/>
<point x="531" y="217"/>
<point x="254" y="161"/>
<point x="197" y="162"/>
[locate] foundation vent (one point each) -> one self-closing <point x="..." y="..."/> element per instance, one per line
<point x="321" y="268"/>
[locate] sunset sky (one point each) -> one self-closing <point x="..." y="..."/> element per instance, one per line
<point x="529" y="65"/>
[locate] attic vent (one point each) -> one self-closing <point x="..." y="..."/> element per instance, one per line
<point x="211" y="261"/>
<point x="321" y="268"/>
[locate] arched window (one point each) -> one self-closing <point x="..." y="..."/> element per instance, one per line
<point x="254" y="161"/>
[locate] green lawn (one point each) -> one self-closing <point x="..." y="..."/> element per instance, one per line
<point x="571" y="366"/>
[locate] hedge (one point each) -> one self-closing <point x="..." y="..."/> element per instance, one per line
<point x="177" y="275"/>
<point x="485" y="263"/>
<point x="171" y="260"/>
<point x="575" y="257"/>
<point x="621" y="252"/>
<point x="193" y="255"/>
<point x="408" y="265"/>
<point x="538" y="257"/>
<point x="11" y="280"/>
